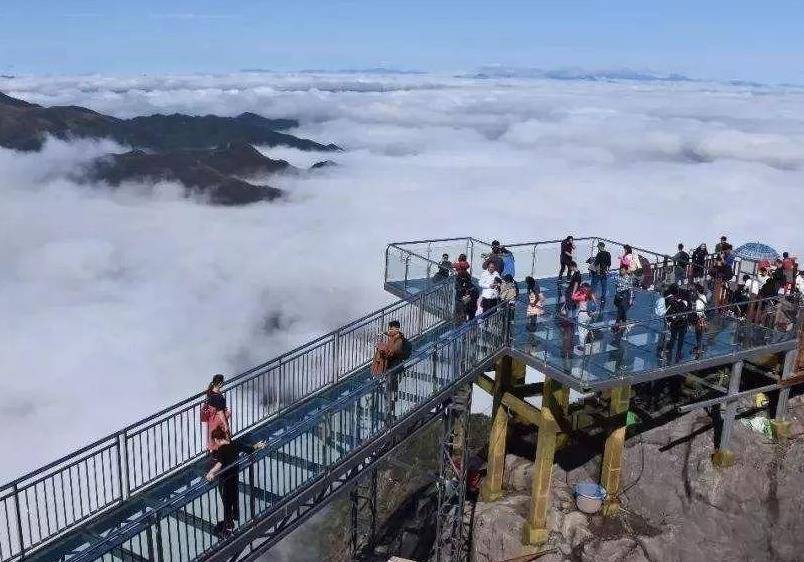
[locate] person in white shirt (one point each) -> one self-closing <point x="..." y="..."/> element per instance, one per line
<point x="489" y="287"/>
<point x="752" y="287"/>
<point x="660" y="311"/>
<point x="800" y="282"/>
<point x="700" y="318"/>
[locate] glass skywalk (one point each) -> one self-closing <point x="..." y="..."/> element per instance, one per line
<point x="611" y="357"/>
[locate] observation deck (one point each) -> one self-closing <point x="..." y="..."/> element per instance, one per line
<point x="140" y="495"/>
<point x="615" y="356"/>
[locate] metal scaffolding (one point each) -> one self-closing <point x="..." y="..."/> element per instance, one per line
<point x="451" y="529"/>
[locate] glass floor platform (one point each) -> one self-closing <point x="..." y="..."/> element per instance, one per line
<point x="613" y="357"/>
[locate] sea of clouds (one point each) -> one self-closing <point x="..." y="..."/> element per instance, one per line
<point x="115" y="304"/>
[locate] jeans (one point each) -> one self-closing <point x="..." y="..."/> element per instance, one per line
<point x="601" y="279"/>
<point x="677" y="333"/>
<point x="661" y="340"/>
<point x="583" y="326"/>
<point x="230" y="496"/>
<point x="699" y="330"/>
<point x="623" y="302"/>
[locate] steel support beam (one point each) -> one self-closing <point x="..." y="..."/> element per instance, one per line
<point x="452" y="535"/>
<point x="363" y="519"/>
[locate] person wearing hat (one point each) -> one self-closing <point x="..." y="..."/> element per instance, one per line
<point x="599" y="266"/>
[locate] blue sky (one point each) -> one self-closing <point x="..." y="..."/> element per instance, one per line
<point x="711" y="39"/>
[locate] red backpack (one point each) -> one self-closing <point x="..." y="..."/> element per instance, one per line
<point x="207" y="412"/>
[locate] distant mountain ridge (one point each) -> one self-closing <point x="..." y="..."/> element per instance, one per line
<point x="576" y="74"/>
<point x="25" y="126"/>
<point x="209" y="155"/>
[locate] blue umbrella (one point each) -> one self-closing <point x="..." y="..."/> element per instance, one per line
<point x="756" y="251"/>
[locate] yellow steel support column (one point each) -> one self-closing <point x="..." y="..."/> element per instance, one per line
<point x="613" y="452"/>
<point x="554" y="400"/>
<point x="492" y="488"/>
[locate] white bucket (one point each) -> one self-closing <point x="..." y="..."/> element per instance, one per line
<point x="589" y="497"/>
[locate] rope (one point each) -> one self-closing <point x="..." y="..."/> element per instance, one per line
<point x="533" y="556"/>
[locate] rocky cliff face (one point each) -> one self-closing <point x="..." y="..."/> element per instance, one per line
<point x="677" y="506"/>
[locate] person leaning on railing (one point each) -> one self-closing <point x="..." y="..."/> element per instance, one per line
<point x="390" y="352"/>
<point x="443" y="269"/>
<point x="224" y="457"/>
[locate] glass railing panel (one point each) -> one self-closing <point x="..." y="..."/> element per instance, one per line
<point x="396" y="266"/>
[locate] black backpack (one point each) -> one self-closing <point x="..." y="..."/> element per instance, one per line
<point x="678" y="309"/>
<point x="407" y="349"/>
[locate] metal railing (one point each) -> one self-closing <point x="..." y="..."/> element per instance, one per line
<point x="54" y="499"/>
<point x="171" y="531"/>
<point x="742" y="327"/>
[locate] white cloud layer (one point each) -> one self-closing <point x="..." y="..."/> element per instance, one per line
<point x="116" y="304"/>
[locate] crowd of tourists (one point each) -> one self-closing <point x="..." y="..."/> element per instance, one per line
<point x="688" y="284"/>
<point x="691" y="287"/>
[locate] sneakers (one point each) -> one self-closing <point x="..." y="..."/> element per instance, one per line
<point x="222" y="529"/>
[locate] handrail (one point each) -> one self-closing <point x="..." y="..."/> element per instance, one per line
<point x="141" y="454"/>
<point x="376" y="387"/>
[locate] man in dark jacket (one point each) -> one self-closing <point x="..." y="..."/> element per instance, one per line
<point x="599" y="267"/>
<point x="466" y="297"/>
<point x="678" y="317"/>
<point x="224" y="457"/>
<point x="567" y="248"/>
<point x="681" y="262"/>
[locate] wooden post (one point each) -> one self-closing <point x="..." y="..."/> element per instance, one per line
<point x="723" y="457"/>
<point x="492" y="488"/>
<point x="611" y="469"/>
<point x="554" y="398"/>
<point x="780" y="427"/>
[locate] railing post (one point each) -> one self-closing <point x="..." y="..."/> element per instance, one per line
<point x="508" y="320"/>
<point x="336" y="355"/>
<point x="533" y="262"/>
<point x="407" y="268"/>
<point x="251" y="496"/>
<point x="325" y="452"/>
<point x="158" y="533"/>
<point x="385" y="273"/>
<point x="122" y="466"/>
<point x="19" y="521"/>
<point x="420" y="308"/>
<point x="149" y="538"/>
